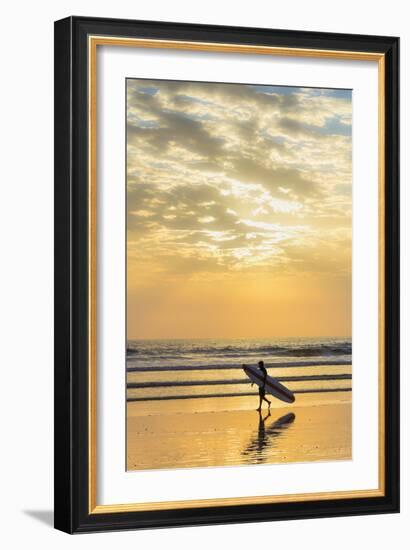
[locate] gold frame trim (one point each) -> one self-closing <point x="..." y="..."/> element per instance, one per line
<point x="93" y="42"/>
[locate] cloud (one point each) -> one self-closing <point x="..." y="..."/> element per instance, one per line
<point x="236" y="178"/>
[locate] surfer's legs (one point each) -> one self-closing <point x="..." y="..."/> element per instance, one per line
<point x="262" y="397"/>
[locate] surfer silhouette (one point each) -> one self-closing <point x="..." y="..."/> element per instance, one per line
<point x="267" y="384"/>
<point x="262" y="393"/>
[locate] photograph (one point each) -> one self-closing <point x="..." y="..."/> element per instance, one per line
<point x="227" y="281"/>
<point x="238" y="274"/>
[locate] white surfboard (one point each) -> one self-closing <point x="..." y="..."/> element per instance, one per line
<point x="272" y="385"/>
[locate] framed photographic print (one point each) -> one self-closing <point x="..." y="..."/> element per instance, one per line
<point x="226" y="274"/>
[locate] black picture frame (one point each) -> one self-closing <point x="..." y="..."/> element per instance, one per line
<point x="71" y="490"/>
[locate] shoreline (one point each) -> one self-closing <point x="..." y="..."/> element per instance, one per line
<point x="237" y="403"/>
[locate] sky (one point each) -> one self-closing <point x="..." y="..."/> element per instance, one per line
<point x="238" y="210"/>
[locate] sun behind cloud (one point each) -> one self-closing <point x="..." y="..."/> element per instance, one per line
<point x="238" y="210"/>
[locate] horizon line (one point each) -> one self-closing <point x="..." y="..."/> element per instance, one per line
<point x="237" y="337"/>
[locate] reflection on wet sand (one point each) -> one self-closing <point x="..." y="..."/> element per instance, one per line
<point x="265" y="437"/>
<point x="167" y="435"/>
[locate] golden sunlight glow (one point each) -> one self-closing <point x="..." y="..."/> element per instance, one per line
<point x="239" y="210"/>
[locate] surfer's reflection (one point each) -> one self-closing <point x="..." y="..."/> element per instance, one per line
<point x="265" y="435"/>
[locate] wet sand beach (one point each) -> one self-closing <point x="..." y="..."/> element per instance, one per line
<point x="226" y="432"/>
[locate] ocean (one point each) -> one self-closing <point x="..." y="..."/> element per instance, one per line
<point x="164" y="370"/>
